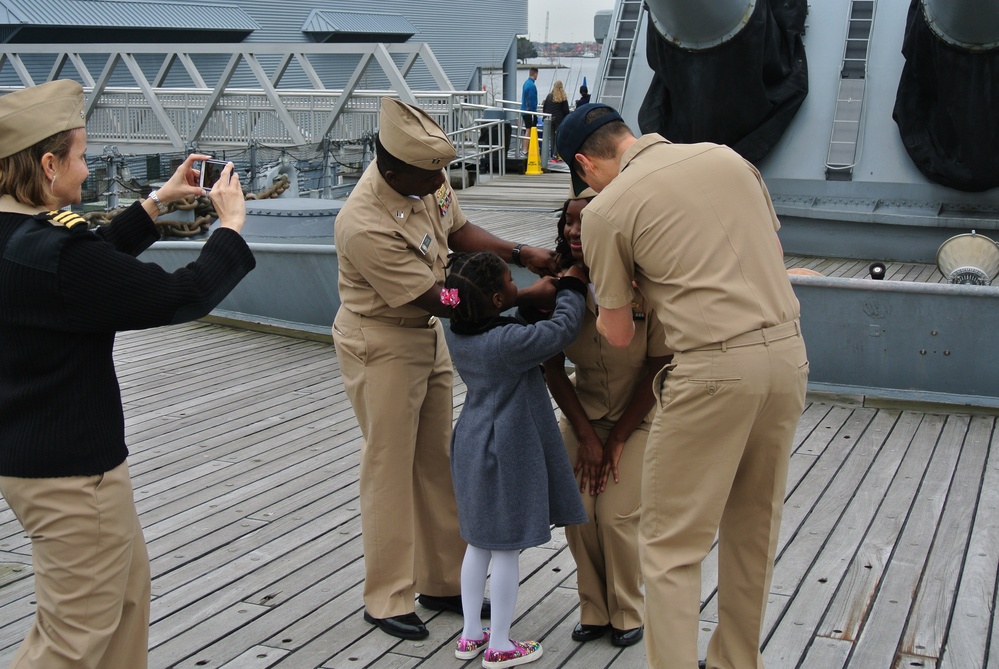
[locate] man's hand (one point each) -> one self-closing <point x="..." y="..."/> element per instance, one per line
<point x="542" y="262"/>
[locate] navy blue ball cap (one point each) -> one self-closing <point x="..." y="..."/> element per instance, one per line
<point x="573" y="132"/>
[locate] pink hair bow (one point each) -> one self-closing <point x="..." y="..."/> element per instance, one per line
<point x="449" y="296"/>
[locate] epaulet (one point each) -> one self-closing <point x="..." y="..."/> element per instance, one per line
<point x="40" y="245"/>
<point x="66" y="219"/>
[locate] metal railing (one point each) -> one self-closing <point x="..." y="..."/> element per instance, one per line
<point x="130" y="103"/>
<point x="211" y="115"/>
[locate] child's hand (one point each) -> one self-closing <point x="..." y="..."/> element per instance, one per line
<point x="540" y="294"/>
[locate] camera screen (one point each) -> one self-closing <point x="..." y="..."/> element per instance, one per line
<point x="211" y="170"/>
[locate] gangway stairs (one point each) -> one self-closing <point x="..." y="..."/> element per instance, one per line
<point x="620" y="45"/>
<point x="845" y="137"/>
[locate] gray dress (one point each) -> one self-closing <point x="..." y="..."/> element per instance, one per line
<point x="512" y="477"/>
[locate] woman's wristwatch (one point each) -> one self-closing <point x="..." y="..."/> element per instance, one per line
<point x="155" y="197"/>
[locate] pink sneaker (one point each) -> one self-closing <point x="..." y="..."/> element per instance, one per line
<point x="522" y="653"/>
<point x="469" y="649"/>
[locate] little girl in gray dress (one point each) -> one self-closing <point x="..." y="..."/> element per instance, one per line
<point x="512" y="477"/>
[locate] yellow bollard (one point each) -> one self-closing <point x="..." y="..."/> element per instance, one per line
<point x="533" y="154"/>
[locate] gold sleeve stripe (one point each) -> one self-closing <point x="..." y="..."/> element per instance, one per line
<point x="66" y="218"/>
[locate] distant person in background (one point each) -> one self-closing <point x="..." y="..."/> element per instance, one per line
<point x="65" y="291"/>
<point x="584" y="96"/>
<point x="529" y="103"/>
<point x="557" y="105"/>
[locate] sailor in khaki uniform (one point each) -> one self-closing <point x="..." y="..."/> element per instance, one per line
<point x="607" y="408"/>
<point x="693" y="225"/>
<point x="392" y="239"/>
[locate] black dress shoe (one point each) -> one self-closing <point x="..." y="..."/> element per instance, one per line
<point x="406" y="626"/>
<point x="584" y="633"/>
<point x="627" y="637"/>
<point x="453" y="604"/>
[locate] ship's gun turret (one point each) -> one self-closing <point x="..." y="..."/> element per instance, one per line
<point x="947" y="104"/>
<point x="700" y="25"/>
<point x="726" y="71"/>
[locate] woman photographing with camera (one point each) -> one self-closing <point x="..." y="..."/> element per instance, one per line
<point x="64" y="293"/>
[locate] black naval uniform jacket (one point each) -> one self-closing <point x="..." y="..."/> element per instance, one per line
<point x="64" y="293"/>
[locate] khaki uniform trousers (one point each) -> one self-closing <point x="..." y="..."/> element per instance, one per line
<point x="398" y="378"/>
<point x="608" y="572"/>
<point x="91" y="572"/>
<point x="717" y="460"/>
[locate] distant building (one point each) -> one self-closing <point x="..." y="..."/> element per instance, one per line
<point x="466" y="38"/>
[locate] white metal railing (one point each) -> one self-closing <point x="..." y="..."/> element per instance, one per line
<point x="240" y="117"/>
<point x="523" y="131"/>
<point x="210" y="113"/>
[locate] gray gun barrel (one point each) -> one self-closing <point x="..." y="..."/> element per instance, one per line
<point x="968" y="24"/>
<point x="700" y="24"/>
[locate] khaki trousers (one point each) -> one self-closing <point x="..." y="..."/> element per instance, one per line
<point x="91" y="572"/>
<point x="717" y="460"/>
<point x="399" y="380"/>
<point x="608" y="572"/>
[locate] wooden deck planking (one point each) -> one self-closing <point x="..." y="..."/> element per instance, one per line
<point x="968" y="635"/>
<point x="244" y="460"/>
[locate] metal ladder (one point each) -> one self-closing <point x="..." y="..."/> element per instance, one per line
<point x="620" y="45"/>
<point x="843" y="142"/>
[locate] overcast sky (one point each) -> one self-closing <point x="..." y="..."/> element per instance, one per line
<point x="568" y="20"/>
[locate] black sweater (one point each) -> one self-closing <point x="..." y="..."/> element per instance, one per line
<point x="64" y="292"/>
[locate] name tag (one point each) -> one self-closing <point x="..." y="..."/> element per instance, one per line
<point x="425" y="244"/>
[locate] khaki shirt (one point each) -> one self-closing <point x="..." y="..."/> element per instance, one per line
<point x="606" y="377"/>
<point x="392" y="248"/>
<point x="694" y="226"/>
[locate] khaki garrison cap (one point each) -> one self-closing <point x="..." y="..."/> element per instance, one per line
<point x="409" y="134"/>
<point x="585" y="195"/>
<point x="31" y="114"/>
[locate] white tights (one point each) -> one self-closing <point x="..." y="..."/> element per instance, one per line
<point x="502" y="587"/>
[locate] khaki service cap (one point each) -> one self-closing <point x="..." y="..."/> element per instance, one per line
<point x="409" y="134"/>
<point x="30" y="115"/>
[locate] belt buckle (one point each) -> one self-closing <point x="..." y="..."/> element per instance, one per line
<point x="432" y="321"/>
